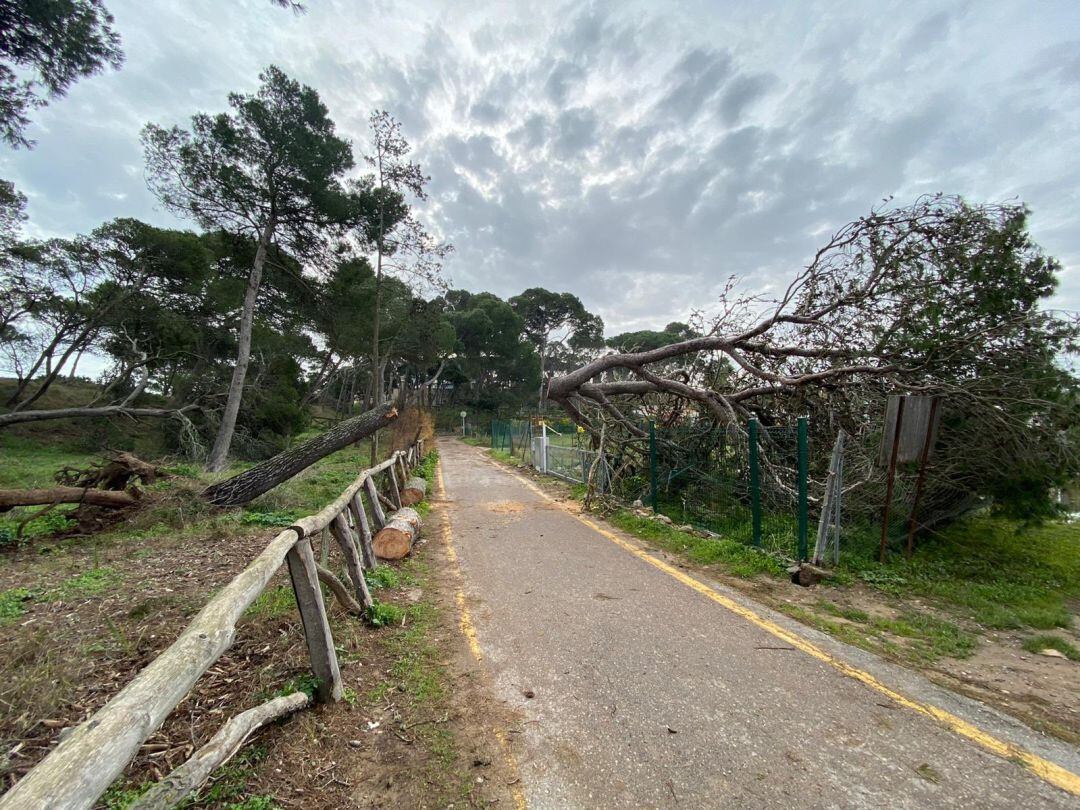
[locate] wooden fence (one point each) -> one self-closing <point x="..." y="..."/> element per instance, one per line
<point x="95" y="753"/>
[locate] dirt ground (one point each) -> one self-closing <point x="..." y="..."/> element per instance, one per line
<point x="414" y="730"/>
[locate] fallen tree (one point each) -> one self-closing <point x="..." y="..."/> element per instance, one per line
<point x="940" y="297"/>
<point x="266" y="475"/>
<point x="10" y="498"/>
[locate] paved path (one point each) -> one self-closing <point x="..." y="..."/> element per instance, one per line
<point x="650" y="693"/>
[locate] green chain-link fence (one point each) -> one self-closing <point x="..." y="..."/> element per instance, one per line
<point x="745" y="482"/>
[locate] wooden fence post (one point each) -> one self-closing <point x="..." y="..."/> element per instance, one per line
<point x="395" y="491"/>
<point x="320" y="643"/>
<point x="356" y="506"/>
<point x="376" y="507"/>
<point x="343" y="534"/>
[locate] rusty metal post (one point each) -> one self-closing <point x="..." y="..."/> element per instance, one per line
<point x="891" y="476"/>
<point x="921" y="481"/>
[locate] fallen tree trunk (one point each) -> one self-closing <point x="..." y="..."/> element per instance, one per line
<point x="414" y="492"/>
<point x="38" y="497"/>
<point x="187" y="778"/>
<point x="395" y="540"/>
<point x="263" y="477"/>
<point x="19" y="417"/>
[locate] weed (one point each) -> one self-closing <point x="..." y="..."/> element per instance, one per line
<point x="849" y="613"/>
<point x="13" y="603"/>
<point x="1048" y="642"/>
<point x="381" y="614"/>
<point x="90" y="583"/>
<point x="426" y="468"/>
<point x="121" y="795"/>
<point x="278" y="518"/>
<point x="350" y="696"/>
<point x="382" y="576"/>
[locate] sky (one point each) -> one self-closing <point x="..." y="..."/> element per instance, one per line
<point x="637" y="154"/>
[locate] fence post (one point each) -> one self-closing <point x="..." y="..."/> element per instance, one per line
<point x="804" y="425"/>
<point x="320" y="643"/>
<point x="755" y="481"/>
<point x="652" y="464"/>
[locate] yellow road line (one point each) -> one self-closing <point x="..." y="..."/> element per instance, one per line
<point x="1049" y="771"/>
<point x="468" y="629"/>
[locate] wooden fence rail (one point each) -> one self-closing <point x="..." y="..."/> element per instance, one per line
<point x="85" y="763"/>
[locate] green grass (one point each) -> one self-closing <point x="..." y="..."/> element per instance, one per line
<point x="272" y="603"/>
<point x="1046" y="641"/>
<point x="736" y="558"/>
<point x="1002" y="574"/>
<point x="13" y="604"/>
<point x="426" y="468"/>
<point x="382" y="614"/>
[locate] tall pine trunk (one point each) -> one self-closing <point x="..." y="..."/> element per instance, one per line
<point x="219" y="454"/>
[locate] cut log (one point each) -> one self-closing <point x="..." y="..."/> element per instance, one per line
<point x="414" y="492"/>
<point x="187" y="778"/>
<point x="395" y="540"/>
<point x="38" y="497"/>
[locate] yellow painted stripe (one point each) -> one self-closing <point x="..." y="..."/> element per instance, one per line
<point x="1049" y="771"/>
<point x="468" y="629"/>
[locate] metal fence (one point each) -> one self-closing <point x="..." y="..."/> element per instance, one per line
<point x="748" y="482"/>
<point x="745" y="482"/>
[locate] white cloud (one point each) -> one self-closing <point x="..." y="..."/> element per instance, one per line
<point x="635" y="154"/>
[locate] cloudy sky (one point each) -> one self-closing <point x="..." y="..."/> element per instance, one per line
<point x="634" y="153"/>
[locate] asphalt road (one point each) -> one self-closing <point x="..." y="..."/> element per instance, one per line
<point x="647" y="691"/>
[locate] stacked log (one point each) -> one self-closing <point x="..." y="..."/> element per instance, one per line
<point x="395" y="539"/>
<point x="415" y="491"/>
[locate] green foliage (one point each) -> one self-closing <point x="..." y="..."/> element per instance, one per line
<point x="382" y="614"/>
<point x="261" y="518"/>
<point x="1003" y="574"/>
<point x="1039" y="643"/>
<point x="90" y="583"/>
<point x="47" y="47"/>
<point x="121" y="795"/>
<point x="13" y="604"/>
<point x="426" y="468"/>
<point x="382" y="576"/>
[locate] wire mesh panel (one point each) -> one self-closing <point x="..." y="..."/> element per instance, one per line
<point x="705" y="477"/>
<point x="575" y="464"/>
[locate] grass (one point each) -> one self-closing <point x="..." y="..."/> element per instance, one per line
<point x="13" y="604"/>
<point x="1002" y="574"/>
<point x="272" y="603"/>
<point x="735" y="557"/>
<point x="1046" y="641"/>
